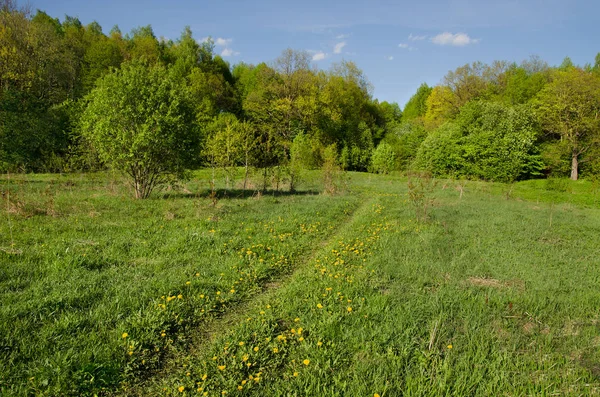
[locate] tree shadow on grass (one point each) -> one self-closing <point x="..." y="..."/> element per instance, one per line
<point x="234" y="193"/>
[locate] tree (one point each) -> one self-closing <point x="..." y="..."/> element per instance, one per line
<point x="487" y="140"/>
<point x="383" y="159"/>
<point x="466" y="82"/>
<point x="569" y="107"/>
<point x="140" y="120"/>
<point x="224" y="147"/>
<point x="416" y="105"/>
<point x="439" y="107"/>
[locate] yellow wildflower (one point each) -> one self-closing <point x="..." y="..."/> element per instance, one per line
<point x="221" y="367"/>
<point x="181" y="389"/>
<point x="125" y="335"/>
<point x="306" y="362"/>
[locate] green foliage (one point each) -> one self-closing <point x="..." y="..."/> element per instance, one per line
<point x="488" y="140"/>
<point x="405" y="141"/>
<point x="417" y="104"/>
<point x="383" y="159"/>
<point x="140" y="121"/>
<point x="568" y="108"/>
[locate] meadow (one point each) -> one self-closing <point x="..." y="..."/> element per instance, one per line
<point x="304" y="294"/>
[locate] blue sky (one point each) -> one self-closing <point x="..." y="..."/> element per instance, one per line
<point x="397" y="44"/>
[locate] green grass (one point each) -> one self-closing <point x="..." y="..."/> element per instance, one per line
<point x="497" y="294"/>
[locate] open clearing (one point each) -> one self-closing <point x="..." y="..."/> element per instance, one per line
<point x="298" y="294"/>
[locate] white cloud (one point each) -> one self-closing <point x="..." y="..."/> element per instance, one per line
<point x="390" y="58"/>
<point x="223" y="42"/>
<point x="337" y="49"/>
<point x="402" y="45"/>
<point x="319" y="56"/>
<point x="342" y="36"/>
<point x="412" y="37"/>
<point x="228" y="52"/>
<point x="458" y="39"/>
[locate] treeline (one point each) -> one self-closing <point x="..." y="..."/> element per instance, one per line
<point x="73" y="98"/>
<point x="505" y="122"/>
<point x="49" y="68"/>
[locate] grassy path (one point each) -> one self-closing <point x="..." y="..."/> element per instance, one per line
<point x="203" y="338"/>
<point x="491" y="297"/>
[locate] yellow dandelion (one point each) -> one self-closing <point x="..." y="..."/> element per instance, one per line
<point x="349" y="309"/>
<point x="296" y="319"/>
<point x="275" y="350"/>
<point x="256" y="349"/>
<point x="181" y="389"/>
<point x="125" y="335"/>
<point x="188" y="282"/>
<point x="295" y="373"/>
<point x="320" y="306"/>
<point x="221" y="367"/>
<point x="241" y="343"/>
<point x="240" y="387"/>
<point x="306" y="362"/>
<point x="179" y="296"/>
<point x="449" y="346"/>
<point x="301" y="339"/>
<point x="376" y="395"/>
<point x="204" y="377"/>
<point x="319" y="343"/>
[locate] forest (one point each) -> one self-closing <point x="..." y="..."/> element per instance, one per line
<point x="75" y="99"/>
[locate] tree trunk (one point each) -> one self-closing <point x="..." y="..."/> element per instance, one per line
<point x="574" y="166"/>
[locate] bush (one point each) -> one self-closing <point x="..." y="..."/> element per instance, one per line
<point x="488" y="140"/>
<point x="383" y="160"/>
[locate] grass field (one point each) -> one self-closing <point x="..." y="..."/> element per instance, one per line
<point x="302" y="295"/>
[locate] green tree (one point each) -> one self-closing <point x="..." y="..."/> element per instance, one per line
<point x="383" y="159"/>
<point x="416" y="105"/>
<point x="439" y="107"/>
<point x="569" y="108"/>
<point x="487" y="140"/>
<point x="141" y="122"/>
